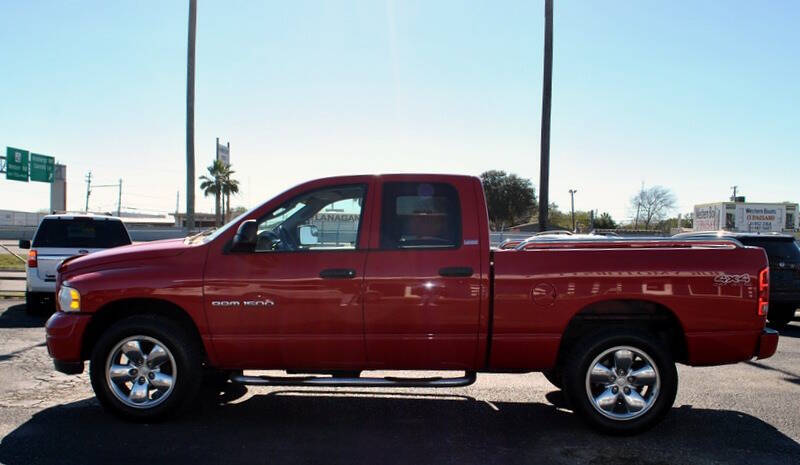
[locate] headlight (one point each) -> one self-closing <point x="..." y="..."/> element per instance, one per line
<point x="69" y="299"/>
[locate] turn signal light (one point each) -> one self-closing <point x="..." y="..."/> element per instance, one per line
<point x="763" y="292"/>
<point x="69" y="299"/>
<point x="33" y="262"/>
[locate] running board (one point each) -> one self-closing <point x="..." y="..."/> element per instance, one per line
<point x="434" y="382"/>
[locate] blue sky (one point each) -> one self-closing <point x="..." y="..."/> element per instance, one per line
<point x="696" y="96"/>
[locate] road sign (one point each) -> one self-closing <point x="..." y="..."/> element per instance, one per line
<point x="16" y="164"/>
<point x="42" y="167"/>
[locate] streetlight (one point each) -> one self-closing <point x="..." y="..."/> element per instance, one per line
<point x="572" y="201"/>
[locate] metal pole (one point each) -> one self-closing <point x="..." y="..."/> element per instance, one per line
<point x="190" y="116"/>
<point x="572" y="206"/>
<point x="119" y="199"/>
<point x="547" y="91"/>
<point x="88" y="190"/>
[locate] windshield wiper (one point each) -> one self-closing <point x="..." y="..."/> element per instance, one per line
<point x="201" y="234"/>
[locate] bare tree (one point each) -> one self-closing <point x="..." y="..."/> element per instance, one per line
<point x="652" y="204"/>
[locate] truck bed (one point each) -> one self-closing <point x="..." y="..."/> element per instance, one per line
<point x="708" y="287"/>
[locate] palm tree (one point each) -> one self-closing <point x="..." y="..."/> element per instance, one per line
<point x="212" y="185"/>
<point x="229" y="186"/>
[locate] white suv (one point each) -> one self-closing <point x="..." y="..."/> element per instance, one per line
<point x="59" y="237"/>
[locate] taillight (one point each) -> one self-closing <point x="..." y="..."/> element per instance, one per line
<point x="32" y="260"/>
<point x="763" y="292"/>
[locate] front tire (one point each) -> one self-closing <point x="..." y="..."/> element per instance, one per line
<point x="145" y="368"/>
<point x="621" y="381"/>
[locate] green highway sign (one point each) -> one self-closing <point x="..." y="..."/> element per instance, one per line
<point x="42" y="167"/>
<point x="16" y="164"/>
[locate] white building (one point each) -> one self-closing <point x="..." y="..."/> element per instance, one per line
<point x="747" y="217"/>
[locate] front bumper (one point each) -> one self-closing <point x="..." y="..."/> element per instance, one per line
<point x="64" y="340"/>
<point x="767" y="343"/>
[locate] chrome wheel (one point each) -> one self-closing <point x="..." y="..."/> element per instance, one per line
<point x="622" y="383"/>
<point x="141" y="372"/>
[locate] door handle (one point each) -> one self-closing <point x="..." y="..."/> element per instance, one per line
<point x="337" y="273"/>
<point x="456" y="271"/>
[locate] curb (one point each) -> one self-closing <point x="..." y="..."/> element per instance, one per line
<point x="12" y="295"/>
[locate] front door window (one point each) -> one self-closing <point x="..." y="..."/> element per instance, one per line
<point x="325" y="219"/>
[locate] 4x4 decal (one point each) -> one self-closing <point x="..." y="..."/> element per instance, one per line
<point x="724" y="279"/>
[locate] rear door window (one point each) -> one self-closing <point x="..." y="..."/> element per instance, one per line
<point x="420" y="215"/>
<point x="85" y="233"/>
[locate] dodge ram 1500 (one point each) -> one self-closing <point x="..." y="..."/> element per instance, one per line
<point x="395" y="272"/>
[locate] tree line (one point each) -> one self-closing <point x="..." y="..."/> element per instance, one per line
<point x="512" y="201"/>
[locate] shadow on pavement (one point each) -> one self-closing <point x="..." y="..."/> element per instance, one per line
<point x="295" y="426"/>
<point x="16" y="353"/>
<point x="17" y="317"/>
<point x="792" y="377"/>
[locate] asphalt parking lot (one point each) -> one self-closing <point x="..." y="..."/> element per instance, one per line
<point x="744" y="413"/>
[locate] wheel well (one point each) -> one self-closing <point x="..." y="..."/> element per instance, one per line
<point x="650" y="316"/>
<point x="120" y="309"/>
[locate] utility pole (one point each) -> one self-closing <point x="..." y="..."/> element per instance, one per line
<point x="547" y="91"/>
<point x="638" y="206"/>
<point x="733" y="197"/>
<point x="572" y="203"/>
<point x="177" y="203"/>
<point x="119" y="199"/>
<point x="190" y="116"/>
<point x="88" y="190"/>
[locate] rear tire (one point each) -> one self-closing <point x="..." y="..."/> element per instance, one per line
<point x="39" y="303"/>
<point x="33" y="303"/>
<point x="780" y="315"/>
<point x="145" y="368"/>
<point x="620" y="381"/>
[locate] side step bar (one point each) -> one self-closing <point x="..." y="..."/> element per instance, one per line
<point x="434" y="382"/>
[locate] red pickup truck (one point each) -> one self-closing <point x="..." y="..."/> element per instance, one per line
<point x="395" y="272"/>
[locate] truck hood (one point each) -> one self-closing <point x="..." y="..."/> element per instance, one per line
<point x="142" y="251"/>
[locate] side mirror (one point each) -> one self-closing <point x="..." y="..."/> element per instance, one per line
<point x="246" y="237"/>
<point x="24" y="244"/>
<point x="309" y="234"/>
